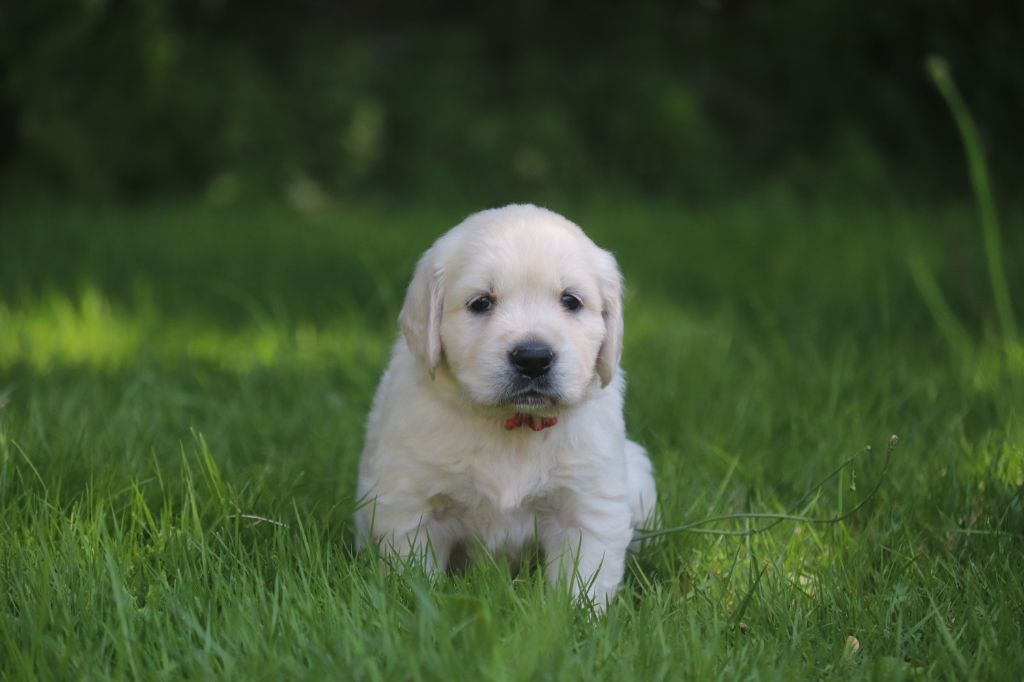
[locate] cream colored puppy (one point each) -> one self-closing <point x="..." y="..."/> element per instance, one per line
<point x="499" y="419"/>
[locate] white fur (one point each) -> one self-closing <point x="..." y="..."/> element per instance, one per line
<point x="439" y="469"/>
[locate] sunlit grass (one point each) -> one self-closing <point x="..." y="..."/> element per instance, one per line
<point x="89" y="331"/>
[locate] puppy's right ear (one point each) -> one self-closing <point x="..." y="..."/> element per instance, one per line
<point x="420" y="318"/>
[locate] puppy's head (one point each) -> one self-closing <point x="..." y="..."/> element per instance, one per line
<point x="519" y="307"/>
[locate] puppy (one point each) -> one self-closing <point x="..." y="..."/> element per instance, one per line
<point x="499" y="419"/>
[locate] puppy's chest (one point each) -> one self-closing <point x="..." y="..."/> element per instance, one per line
<point x="501" y="482"/>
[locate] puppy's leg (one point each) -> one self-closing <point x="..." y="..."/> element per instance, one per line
<point x="585" y="545"/>
<point x="640" y="491"/>
<point x="414" y="537"/>
<point x="426" y="544"/>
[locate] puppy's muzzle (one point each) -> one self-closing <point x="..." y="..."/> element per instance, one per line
<point x="532" y="359"/>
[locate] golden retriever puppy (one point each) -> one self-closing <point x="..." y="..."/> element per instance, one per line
<point x="499" y="419"/>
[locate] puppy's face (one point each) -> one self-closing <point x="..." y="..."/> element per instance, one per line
<point x="520" y="307"/>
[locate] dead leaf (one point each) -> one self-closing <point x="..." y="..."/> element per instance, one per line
<point x="852" y="647"/>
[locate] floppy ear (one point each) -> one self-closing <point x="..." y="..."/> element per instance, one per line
<point x="420" y="318"/>
<point x="610" y="283"/>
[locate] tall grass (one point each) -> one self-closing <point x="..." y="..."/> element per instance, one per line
<point x="939" y="71"/>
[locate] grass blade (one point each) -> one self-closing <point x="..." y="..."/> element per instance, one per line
<point x="939" y="71"/>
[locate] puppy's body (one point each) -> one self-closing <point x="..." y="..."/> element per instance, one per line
<point x="443" y="467"/>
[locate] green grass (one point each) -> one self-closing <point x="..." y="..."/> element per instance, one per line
<point x="184" y="387"/>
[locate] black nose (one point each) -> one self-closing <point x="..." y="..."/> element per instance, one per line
<point x="532" y="359"/>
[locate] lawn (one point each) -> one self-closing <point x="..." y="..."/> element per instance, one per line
<point x="183" y="388"/>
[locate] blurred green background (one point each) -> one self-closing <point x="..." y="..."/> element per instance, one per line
<point x="492" y="101"/>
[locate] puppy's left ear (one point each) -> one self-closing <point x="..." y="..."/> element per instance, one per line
<point x="420" y="318"/>
<point x="610" y="283"/>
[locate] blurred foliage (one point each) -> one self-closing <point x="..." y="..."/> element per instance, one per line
<point x="133" y="97"/>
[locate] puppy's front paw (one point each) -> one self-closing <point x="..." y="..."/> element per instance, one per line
<point x="590" y="559"/>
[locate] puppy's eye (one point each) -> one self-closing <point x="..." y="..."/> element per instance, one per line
<point x="480" y="304"/>
<point x="571" y="302"/>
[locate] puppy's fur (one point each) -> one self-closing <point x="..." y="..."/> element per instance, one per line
<point x="442" y="468"/>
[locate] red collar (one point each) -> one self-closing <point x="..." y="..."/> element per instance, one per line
<point x="535" y="423"/>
